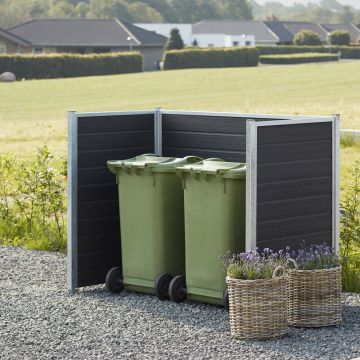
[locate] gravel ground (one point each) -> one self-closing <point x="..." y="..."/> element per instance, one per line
<point x="40" y="320"/>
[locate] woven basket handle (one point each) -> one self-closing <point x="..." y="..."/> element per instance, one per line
<point x="278" y="272"/>
<point x="293" y="263"/>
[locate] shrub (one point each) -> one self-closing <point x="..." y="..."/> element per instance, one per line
<point x="339" y="37"/>
<point x="175" y="42"/>
<point x="32" y="202"/>
<point x="306" y="37"/>
<point x="350" y="233"/>
<point x="297" y="58"/>
<point x="211" y="58"/>
<point x="70" y="65"/>
<point x="347" y="52"/>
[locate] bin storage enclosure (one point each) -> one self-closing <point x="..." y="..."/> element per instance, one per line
<point x="292" y="176"/>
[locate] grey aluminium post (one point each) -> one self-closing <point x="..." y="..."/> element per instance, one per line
<point x="336" y="182"/>
<point x="72" y="202"/>
<point x="158" y="131"/>
<point x="251" y="184"/>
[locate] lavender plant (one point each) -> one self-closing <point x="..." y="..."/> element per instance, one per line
<point x="254" y="264"/>
<point x="314" y="257"/>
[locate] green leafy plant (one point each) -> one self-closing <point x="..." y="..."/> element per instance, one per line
<point x="175" y="41"/>
<point x="340" y="37"/>
<point x="297" y="58"/>
<point x="350" y="232"/>
<point x="307" y="37"/>
<point x="32" y="202"/>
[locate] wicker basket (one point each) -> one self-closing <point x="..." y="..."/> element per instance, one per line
<point x="314" y="296"/>
<point x="257" y="308"/>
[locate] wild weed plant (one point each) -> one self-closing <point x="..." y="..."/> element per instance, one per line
<point x="32" y="202"/>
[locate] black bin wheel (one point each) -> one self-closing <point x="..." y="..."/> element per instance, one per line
<point x="226" y="299"/>
<point x="177" y="289"/>
<point x="162" y="283"/>
<point x="114" y="281"/>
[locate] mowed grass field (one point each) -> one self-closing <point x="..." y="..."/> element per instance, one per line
<point x="33" y="113"/>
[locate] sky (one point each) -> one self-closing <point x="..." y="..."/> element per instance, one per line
<point x="354" y="3"/>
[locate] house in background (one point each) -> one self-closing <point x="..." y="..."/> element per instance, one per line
<point x="351" y="28"/>
<point x="12" y="44"/>
<point x="85" y="36"/>
<point x="165" y="29"/>
<point x="233" y="33"/>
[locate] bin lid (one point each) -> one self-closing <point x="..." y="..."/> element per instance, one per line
<point x="153" y="162"/>
<point x="215" y="166"/>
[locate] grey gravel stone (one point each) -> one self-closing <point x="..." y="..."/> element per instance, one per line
<point x="40" y="320"/>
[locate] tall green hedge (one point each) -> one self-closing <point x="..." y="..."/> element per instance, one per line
<point x="211" y="58"/>
<point x="70" y="65"/>
<point x="297" y="58"/>
<point x="347" y="52"/>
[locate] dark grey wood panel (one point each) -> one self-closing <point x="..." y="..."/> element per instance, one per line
<point x="203" y="123"/>
<point x="91" y="125"/>
<point x="108" y="242"/>
<point x="281" y="228"/>
<point x="294" y="133"/>
<point x="205" y="136"/>
<point x="294" y="184"/>
<point x="91" y="209"/>
<point x="102" y="138"/>
<point x="271" y="172"/>
<point x="113" y="140"/>
<point x="283" y="190"/>
<point x="306" y="150"/>
<point x="293" y="207"/>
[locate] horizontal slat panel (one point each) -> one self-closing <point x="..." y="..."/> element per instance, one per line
<point x="299" y="151"/>
<point x="95" y="176"/>
<point x="98" y="226"/>
<point x="90" y="210"/>
<point x="200" y="123"/>
<point x="102" y="242"/>
<point x="294" y="189"/>
<point x="97" y="124"/>
<point x="299" y="132"/>
<point x="297" y="242"/>
<point x="97" y="192"/>
<point x="291" y="171"/>
<point x="290" y="208"/>
<point x="226" y="155"/>
<point x="116" y="140"/>
<point x="204" y="141"/>
<point x="293" y="226"/>
<point x="97" y="259"/>
<point x="96" y="158"/>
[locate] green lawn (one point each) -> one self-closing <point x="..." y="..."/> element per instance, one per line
<point x="33" y="113"/>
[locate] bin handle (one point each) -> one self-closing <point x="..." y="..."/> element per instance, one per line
<point x="293" y="263"/>
<point x="278" y="272"/>
<point x="214" y="159"/>
<point x="190" y="157"/>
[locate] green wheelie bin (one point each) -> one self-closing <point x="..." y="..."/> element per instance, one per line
<point x="151" y="204"/>
<point x="214" y="205"/>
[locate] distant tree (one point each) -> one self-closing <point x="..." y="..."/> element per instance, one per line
<point x="195" y="43"/>
<point x="345" y="15"/>
<point x="175" y="41"/>
<point x="237" y="9"/>
<point x="62" y="9"/>
<point x="81" y="9"/>
<point x="307" y="37"/>
<point x="107" y="9"/>
<point x="272" y="17"/>
<point x="142" y="12"/>
<point x="339" y="37"/>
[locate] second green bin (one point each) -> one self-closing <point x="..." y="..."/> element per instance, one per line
<point x="214" y="204"/>
<point x="152" y="223"/>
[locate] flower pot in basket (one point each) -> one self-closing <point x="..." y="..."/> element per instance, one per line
<point x="257" y="308"/>
<point x="314" y="296"/>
